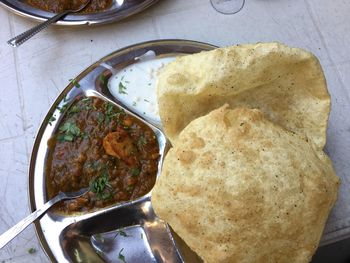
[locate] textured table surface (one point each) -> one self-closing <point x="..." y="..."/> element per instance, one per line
<point x="33" y="75"/>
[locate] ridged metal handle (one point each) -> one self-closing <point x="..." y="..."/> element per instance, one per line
<point x="20" y="39"/>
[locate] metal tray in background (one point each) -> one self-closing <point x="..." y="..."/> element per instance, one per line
<point x="119" y="10"/>
<point x="93" y="237"/>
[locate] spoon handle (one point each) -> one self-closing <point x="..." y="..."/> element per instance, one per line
<point x="21" y="38"/>
<point x="20" y="226"/>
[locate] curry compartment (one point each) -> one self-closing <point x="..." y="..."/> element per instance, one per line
<point x="101" y="146"/>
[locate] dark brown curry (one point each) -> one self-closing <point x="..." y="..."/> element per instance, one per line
<point x="57" y="6"/>
<point x="100" y="146"/>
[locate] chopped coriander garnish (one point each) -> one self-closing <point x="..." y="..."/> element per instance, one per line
<point x="88" y="107"/>
<point x="31" y="250"/>
<point x="141" y="142"/>
<point x="86" y="99"/>
<point x="63" y="108"/>
<point x="68" y="132"/>
<point x="113" y="112"/>
<point x="75" y="83"/>
<point x="149" y="84"/>
<point x="121" y="233"/>
<point x="146" y="100"/>
<point x="121" y="256"/>
<point x="122" y="88"/>
<point x="141" y="235"/>
<point x="74" y="109"/>
<point x="107" y="119"/>
<point x="99" y="185"/>
<point x="109" y="108"/>
<point x="70" y="128"/>
<point x="135" y="171"/>
<point x="87" y="103"/>
<point x="52" y="119"/>
<point x="65" y="137"/>
<point x="100" y="117"/>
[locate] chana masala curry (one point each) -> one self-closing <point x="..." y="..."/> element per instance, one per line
<point x="57" y="6"/>
<point x="99" y="145"/>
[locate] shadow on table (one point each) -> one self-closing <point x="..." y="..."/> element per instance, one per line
<point x="334" y="253"/>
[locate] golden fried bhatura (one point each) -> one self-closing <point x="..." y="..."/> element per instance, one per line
<point x="286" y="84"/>
<point x="238" y="188"/>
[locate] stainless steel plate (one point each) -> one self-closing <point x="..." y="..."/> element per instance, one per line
<point x="96" y="236"/>
<point x="119" y="10"/>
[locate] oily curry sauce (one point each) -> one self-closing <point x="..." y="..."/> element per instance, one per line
<point x="100" y="146"/>
<point x="57" y="6"/>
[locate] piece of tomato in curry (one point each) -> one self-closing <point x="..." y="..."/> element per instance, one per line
<point x="100" y="146"/>
<point x="58" y="6"/>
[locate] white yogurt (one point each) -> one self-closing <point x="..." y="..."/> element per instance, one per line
<point x="135" y="85"/>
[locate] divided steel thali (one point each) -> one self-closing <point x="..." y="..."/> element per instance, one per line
<point x="127" y="230"/>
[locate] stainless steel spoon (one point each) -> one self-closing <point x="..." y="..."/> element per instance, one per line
<point x="23" y="224"/>
<point x="20" y="39"/>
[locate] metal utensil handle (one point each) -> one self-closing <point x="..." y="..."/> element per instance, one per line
<point x="21" y="38"/>
<point x="23" y="224"/>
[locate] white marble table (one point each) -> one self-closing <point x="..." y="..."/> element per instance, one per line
<point x="34" y="74"/>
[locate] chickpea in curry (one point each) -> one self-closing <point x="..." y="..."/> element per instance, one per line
<point x="101" y="146"/>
